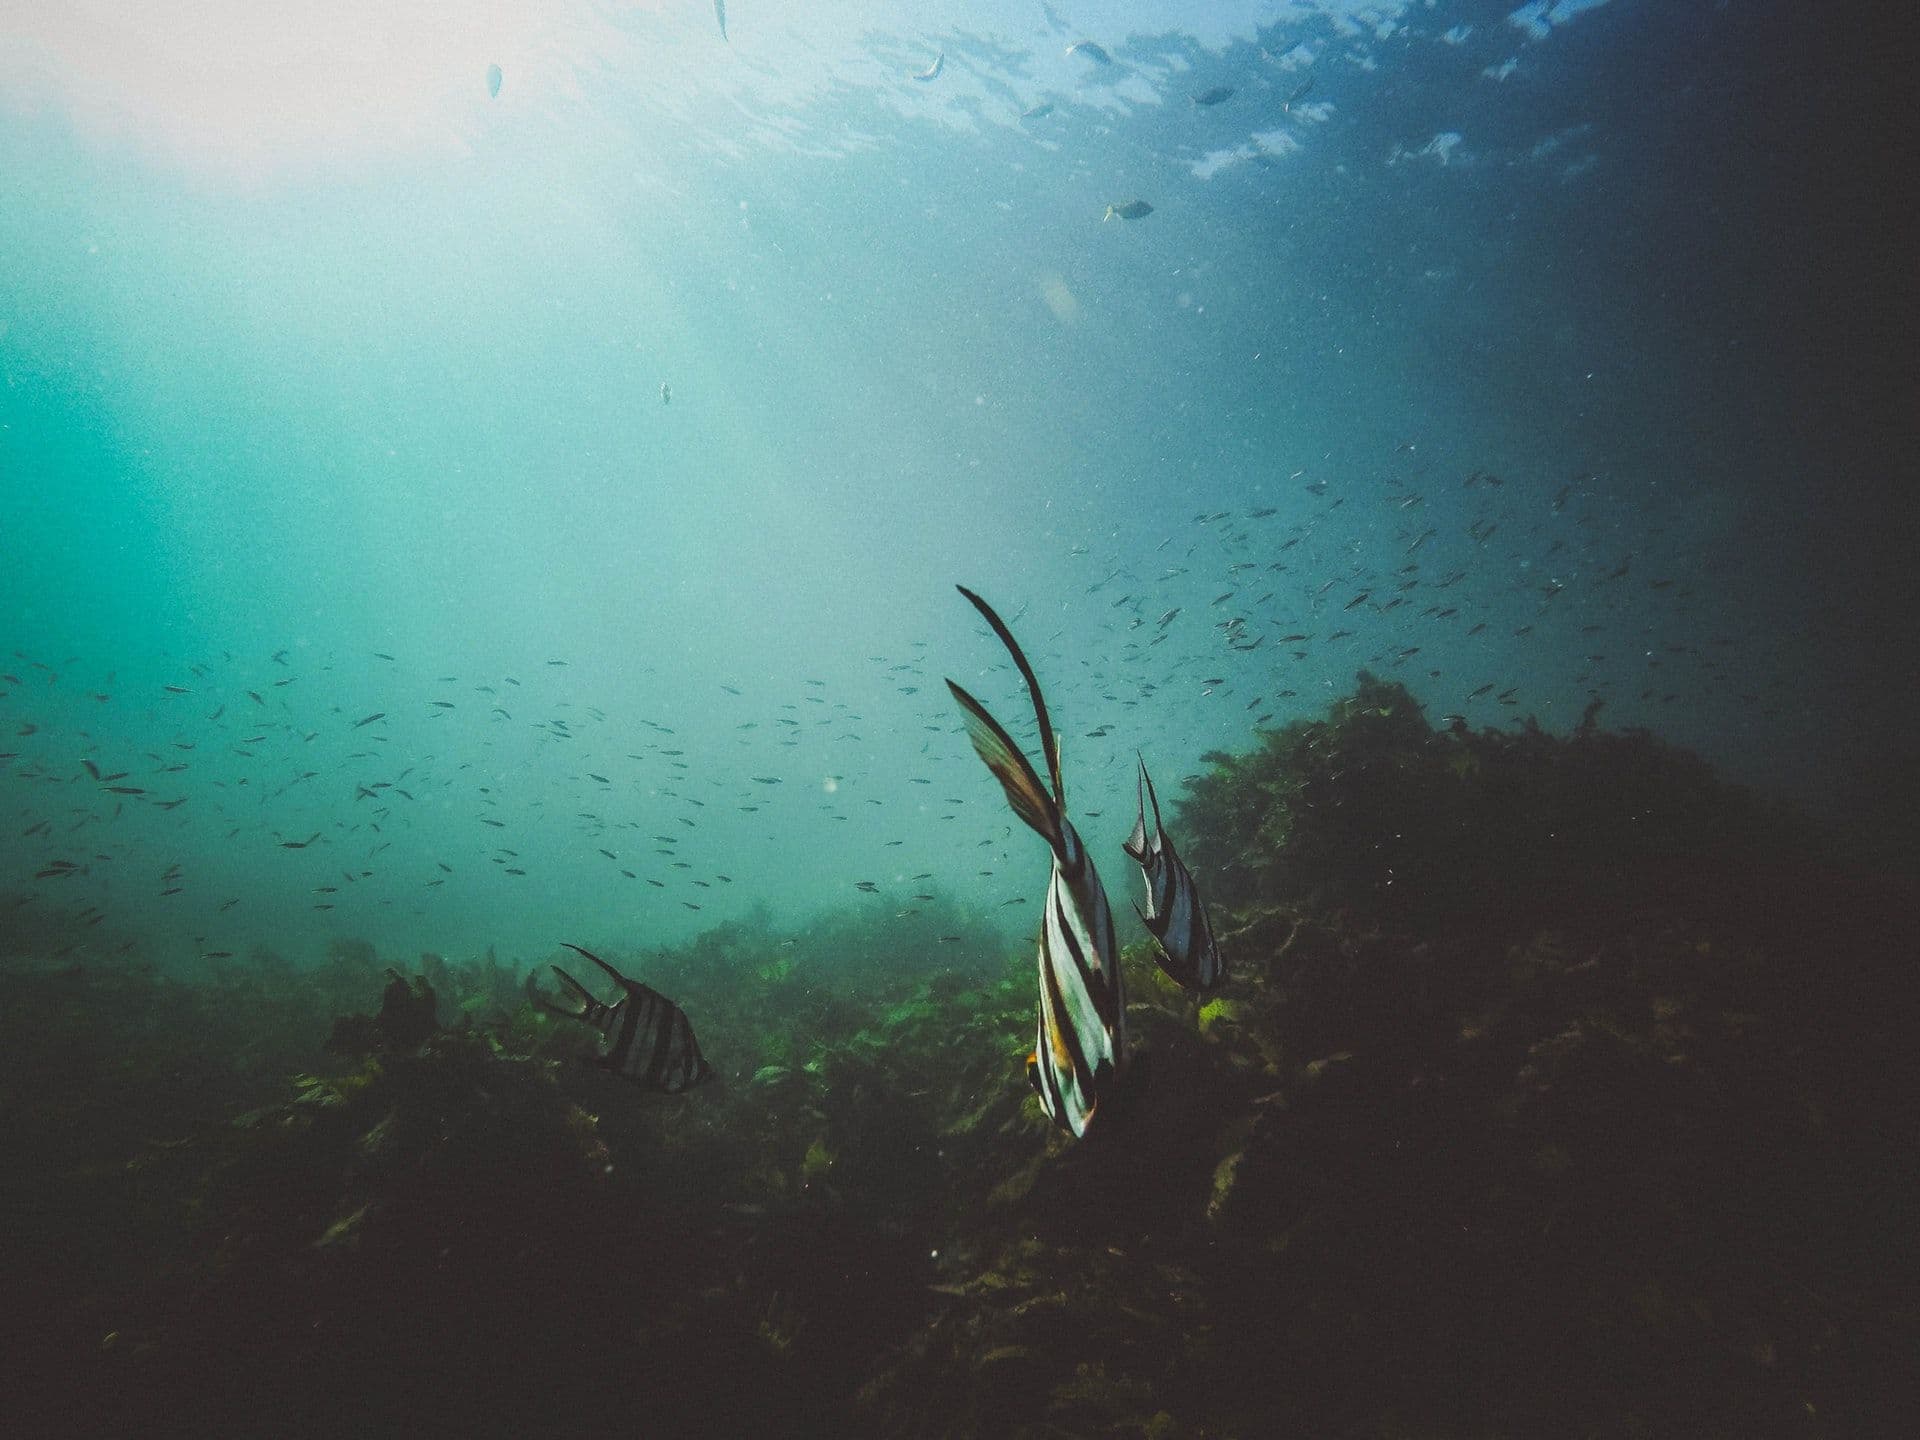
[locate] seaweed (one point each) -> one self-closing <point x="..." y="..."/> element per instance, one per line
<point x="1555" y="1088"/>
<point x="1372" y="810"/>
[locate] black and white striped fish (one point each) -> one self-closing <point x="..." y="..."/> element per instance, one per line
<point x="1081" y="1045"/>
<point x="645" y="1037"/>
<point x="1175" y="916"/>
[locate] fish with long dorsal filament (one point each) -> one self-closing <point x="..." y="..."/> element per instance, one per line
<point x="1175" y="916"/>
<point x="1080" y="1049"/>
<point x="645" y="1037"/>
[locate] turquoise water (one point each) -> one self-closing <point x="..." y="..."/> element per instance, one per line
<point x="619" y="439"/>
<point x="477" y="479"/>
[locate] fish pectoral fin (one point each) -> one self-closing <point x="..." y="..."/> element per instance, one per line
<point x="1010" y="767"/>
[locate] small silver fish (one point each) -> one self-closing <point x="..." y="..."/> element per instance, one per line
<point x="1038" y="112"/>
<point x="1090" y="51"/>
<point x="666" y="393"/>
<point x="932" y="72"/>
<point x="1217" y="95"/>
<point x="1132" y="210"/>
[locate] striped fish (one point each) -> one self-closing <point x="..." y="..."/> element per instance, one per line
<point x="645" y="1037"/>
<point x="1175" y="916"/>
<point x="1081" y="1045"/>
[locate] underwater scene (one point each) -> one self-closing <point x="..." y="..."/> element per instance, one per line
<point x="1028" y="719"/>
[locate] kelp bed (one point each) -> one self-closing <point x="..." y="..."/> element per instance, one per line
<point x="1557" y="1089"/>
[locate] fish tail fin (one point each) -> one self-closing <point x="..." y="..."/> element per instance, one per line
<point x="1010" y="767"/>
<point x="1049" y="742"/>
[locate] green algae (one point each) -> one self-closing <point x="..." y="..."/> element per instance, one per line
<point x="1602" y="1157"/>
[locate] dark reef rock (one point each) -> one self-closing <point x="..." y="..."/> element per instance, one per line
<point x="1556" y="1088"/>
<point x="406" y="1020"/>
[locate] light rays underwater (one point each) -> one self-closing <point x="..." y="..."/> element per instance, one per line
<point x="1436" y="592"/>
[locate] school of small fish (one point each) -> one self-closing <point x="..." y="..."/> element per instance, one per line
<point x="263" y="753"/>
<point x="1258" y="611"/>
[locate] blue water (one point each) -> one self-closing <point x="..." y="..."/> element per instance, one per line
<point x="333" y="386"/>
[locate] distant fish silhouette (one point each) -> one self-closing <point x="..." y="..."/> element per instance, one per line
<point x="493" y="80"/>
<point x="1090" y="51"/>
<point x="932" y="72"/>
<point x="720" y="14"/>
<point x="1175" y="915"/>
<point x="645" y="1037"/>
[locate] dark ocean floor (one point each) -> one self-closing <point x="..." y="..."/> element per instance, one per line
<point x="1578" y="1109"/>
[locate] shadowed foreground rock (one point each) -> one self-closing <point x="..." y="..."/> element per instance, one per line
<point x="1590" y="1137"/>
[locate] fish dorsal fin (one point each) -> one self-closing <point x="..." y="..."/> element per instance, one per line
<point x="1049" y="742"/>
<point x="1136" y="843"/>
<point x="630" y="986"/>
<point x="1010" y="767"/>
<point x="1152" y="799"/>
